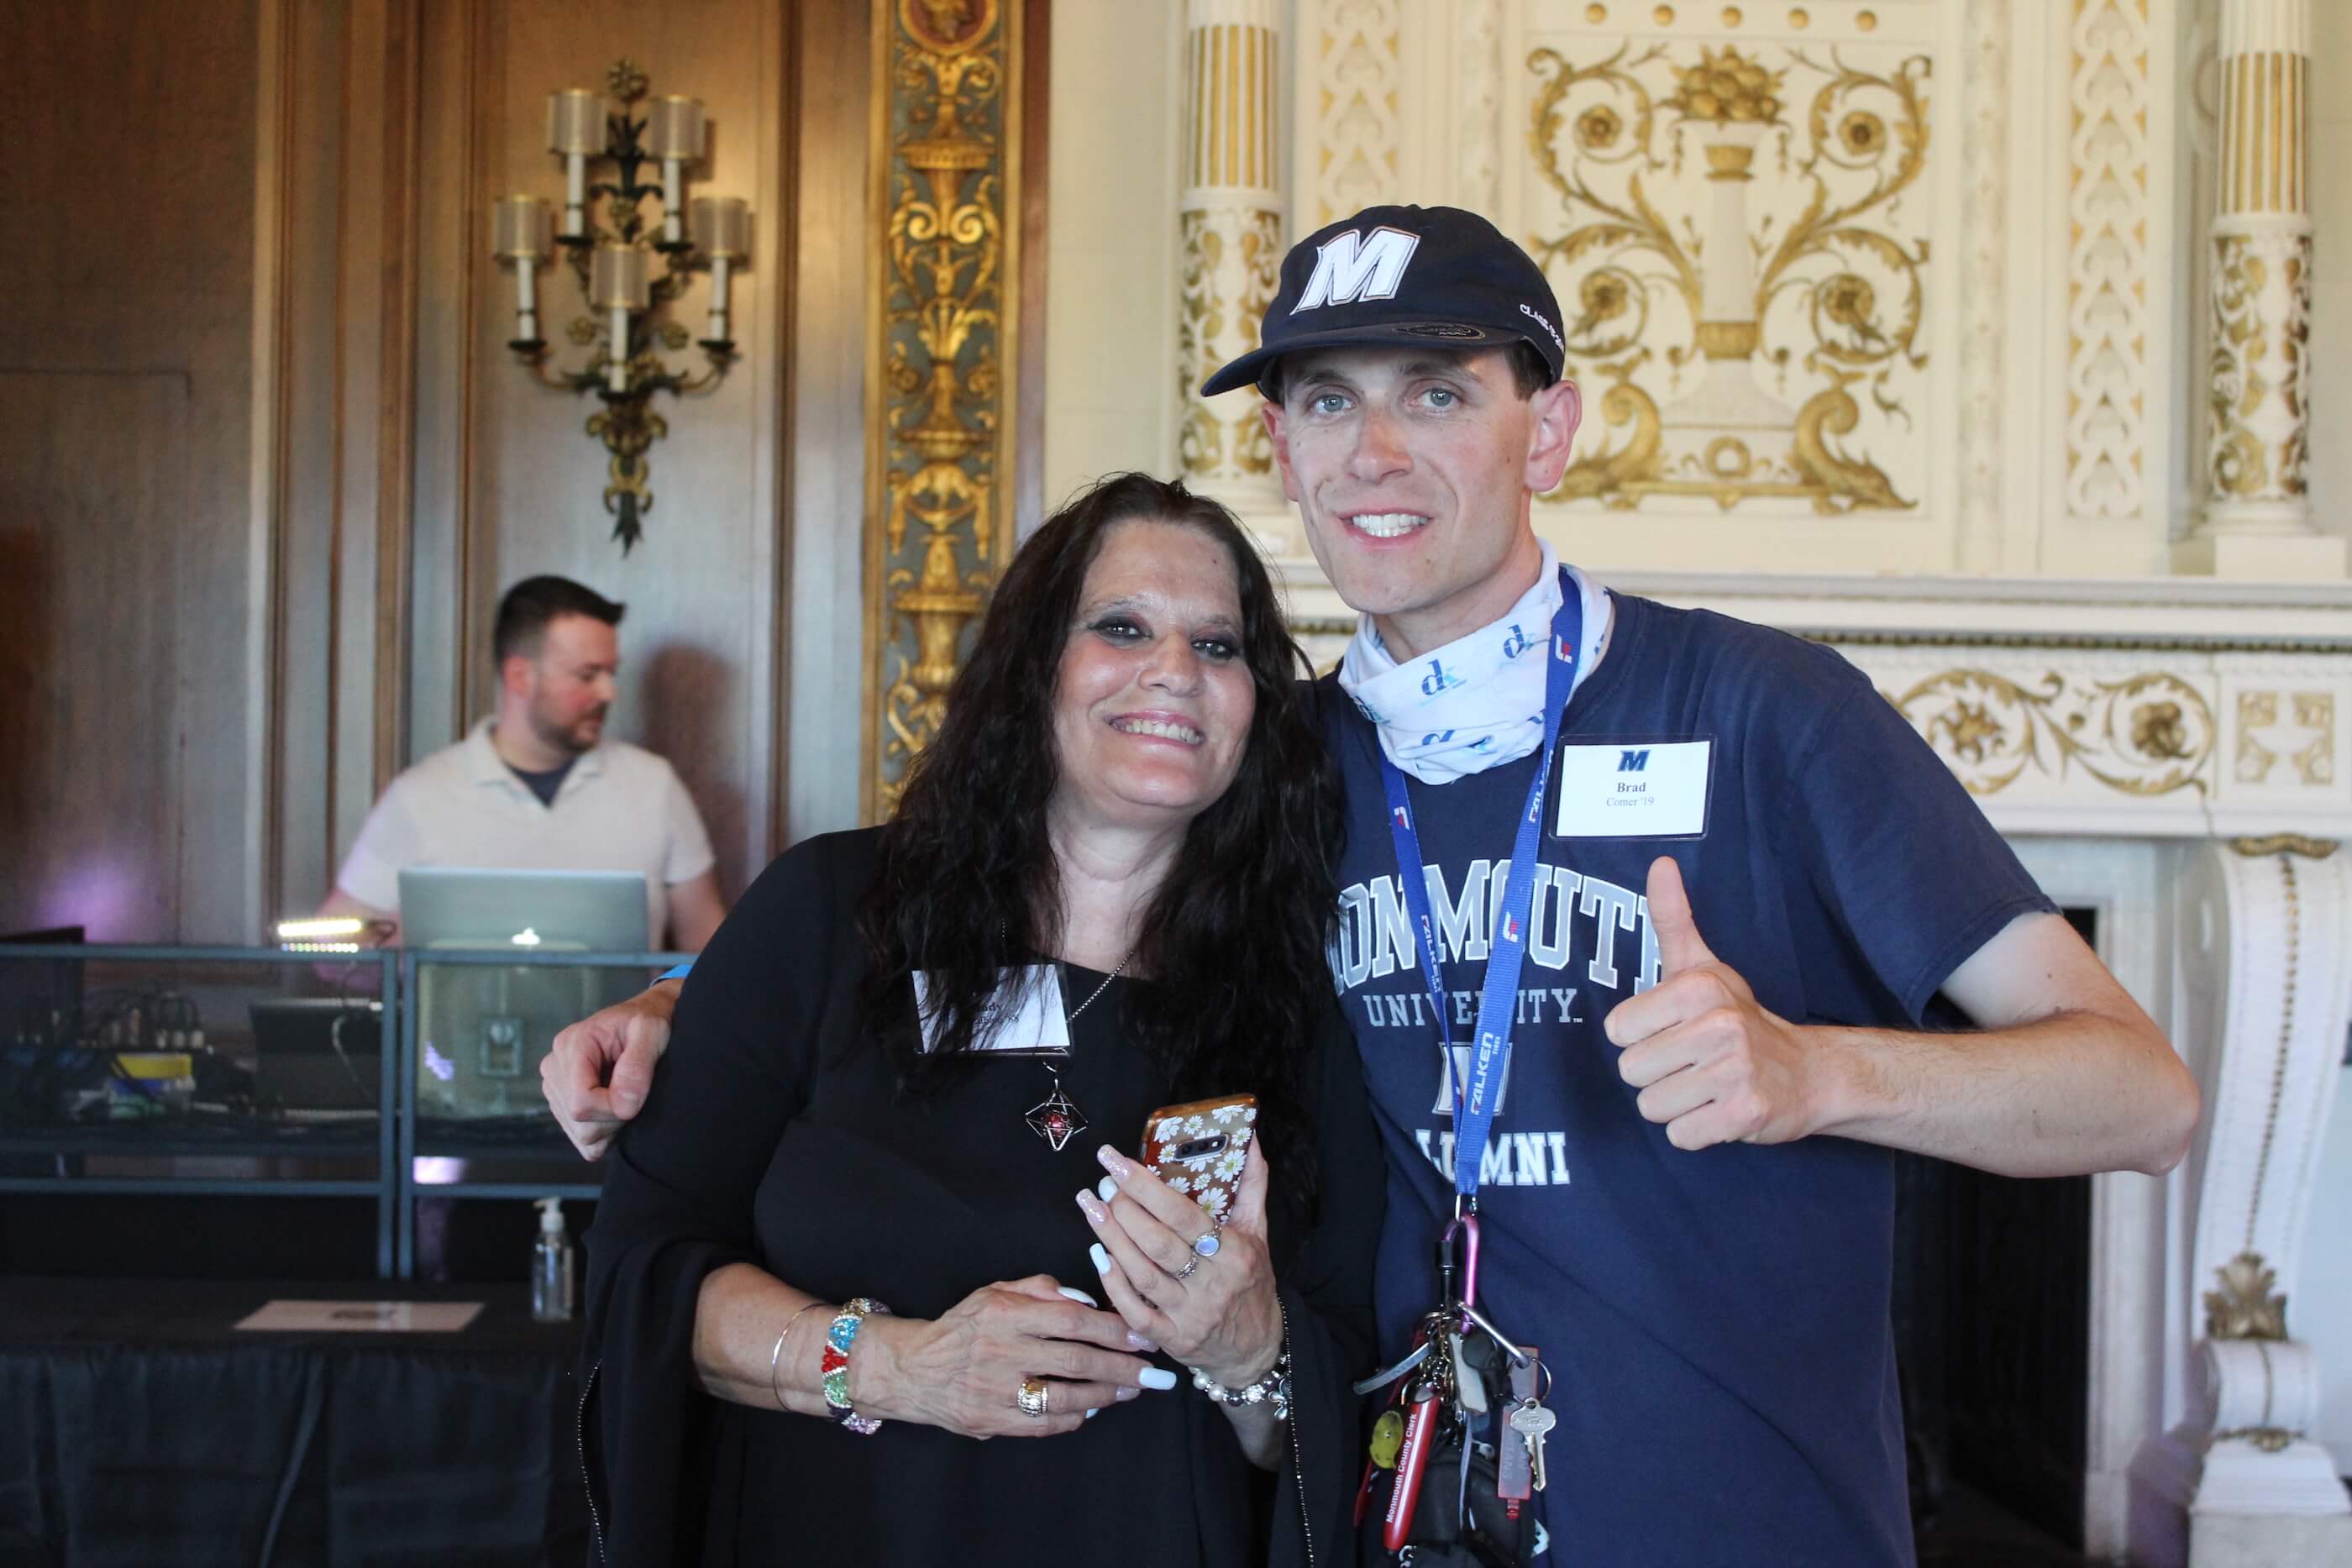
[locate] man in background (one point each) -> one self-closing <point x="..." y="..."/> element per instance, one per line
<point x="537" y="787"/>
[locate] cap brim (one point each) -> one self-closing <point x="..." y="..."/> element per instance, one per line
<point x="1251" y="367"/>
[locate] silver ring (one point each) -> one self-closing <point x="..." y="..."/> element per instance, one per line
<point x="1206" y="1244"/>
<point x="1031" y="1398"/>
<point x="1186" y="1271"/>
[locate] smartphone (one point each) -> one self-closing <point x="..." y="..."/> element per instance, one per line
<point x="1197" y="1148"/>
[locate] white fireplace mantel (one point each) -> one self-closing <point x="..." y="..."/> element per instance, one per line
<point x="2147" y="708"/>
<point x="2178" y="755"/>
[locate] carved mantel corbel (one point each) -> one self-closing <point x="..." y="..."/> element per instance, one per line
<point x="2265" y="956"/>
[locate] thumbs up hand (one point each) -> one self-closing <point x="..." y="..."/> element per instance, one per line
<point x="1712" y="1065"/>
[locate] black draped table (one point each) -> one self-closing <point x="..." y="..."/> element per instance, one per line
<point x="140" y="1428"/>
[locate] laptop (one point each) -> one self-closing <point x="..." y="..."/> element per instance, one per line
<point x="483" y="1029"/>
<point x="317" y="1054"/>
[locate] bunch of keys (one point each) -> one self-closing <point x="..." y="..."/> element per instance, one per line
<point x="1443" y="1390"/>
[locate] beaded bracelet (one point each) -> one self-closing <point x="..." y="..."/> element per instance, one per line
<point x="776" y="1356"/>
<point x="838" y="1339"/>
<point x="1273" y="1389"/>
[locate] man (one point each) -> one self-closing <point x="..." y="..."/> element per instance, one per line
<point x="537" y="787"/>
<point x="1746" y="900"/>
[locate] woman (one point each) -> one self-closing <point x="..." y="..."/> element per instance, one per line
<point x="1119" y="838"/>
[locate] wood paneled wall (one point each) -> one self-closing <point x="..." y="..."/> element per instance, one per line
<point x="130" y="757"/>
<point x="273" y="464"/>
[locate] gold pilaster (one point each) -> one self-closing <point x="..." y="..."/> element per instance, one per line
<point x="939" y="364"/>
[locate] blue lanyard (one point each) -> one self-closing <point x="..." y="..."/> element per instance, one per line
<point x="1474" y="1102"/>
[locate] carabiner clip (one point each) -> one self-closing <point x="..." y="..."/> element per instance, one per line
<point x="1464" y="1228"/>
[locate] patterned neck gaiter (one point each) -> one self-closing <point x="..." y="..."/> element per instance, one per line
<point x="1476" y="702"/>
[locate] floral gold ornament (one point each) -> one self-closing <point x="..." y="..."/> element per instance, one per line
<point x="2245" y="1307"/>
<point x="1700" y="310"/>
<point x="939" y="387"/>
<point x="2148" y="735"/>
<point x="2301" y="730"/>
<point x="610" y="251"/>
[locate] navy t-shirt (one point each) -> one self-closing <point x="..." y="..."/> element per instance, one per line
<point x="1717" y="1322"/>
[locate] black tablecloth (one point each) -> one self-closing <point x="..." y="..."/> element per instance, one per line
<point x="139" y="1429"/>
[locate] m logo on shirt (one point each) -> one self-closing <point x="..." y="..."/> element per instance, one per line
<point x="1349" y="268"/>
<point x="1632" y="761"/>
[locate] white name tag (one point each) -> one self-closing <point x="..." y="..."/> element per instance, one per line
<point x="1040" y="1026"/>
<point x="1632" y="789"/>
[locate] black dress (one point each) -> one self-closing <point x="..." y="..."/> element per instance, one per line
<point x="773" y="1136"/>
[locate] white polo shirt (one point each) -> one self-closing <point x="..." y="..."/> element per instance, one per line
<point x="621" y="808"/>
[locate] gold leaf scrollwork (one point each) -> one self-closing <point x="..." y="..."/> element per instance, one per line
<point x="1226" y="246"/>
<point x="2261" y="327"/>
<point x="1833" y="302"/>
<point x="939" y="385"/>
<point x="2146" y="735"/>
<point x="2245" y="1307"/>
<point x="2240" y="464"/>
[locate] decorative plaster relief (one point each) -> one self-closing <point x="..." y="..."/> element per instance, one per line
<point x="2285" y="737"/>
<point x="1355" y="67"/>
<point x="1738" y="237"/>
<point x="2109" y="370"/>
<point x="1229" y="267"/>
<point x="1478" y="158"/>
<point x="2147" y="733"/>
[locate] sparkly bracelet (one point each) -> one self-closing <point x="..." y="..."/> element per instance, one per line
<point x="837" y="1342"/>
<point x="1273" y="1389"/>
<point x="776" y="1356"/>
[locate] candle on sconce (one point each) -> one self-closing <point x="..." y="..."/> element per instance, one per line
<point x="722" y="231"/>
<point x="578" y="128"/>
<point x="675" y="136"/>
<point x="620" y="281"/>
<point x="521" y="232"/>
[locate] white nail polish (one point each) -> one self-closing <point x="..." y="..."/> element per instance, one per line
<point x="1156" y="1377"/>
<point x="1092" y="1413"/>
<point x="1078" y="1296"/>
<point x="1107" y="1189"/>
<point x="1101" y="1258"/>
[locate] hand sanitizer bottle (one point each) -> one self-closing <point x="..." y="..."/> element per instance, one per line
<point x="550" y="1266"/>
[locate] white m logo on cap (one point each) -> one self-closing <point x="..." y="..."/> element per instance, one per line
<point x="1349" y="268"/>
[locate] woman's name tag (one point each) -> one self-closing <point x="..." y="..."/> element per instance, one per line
<point x="1038" y="1028"/>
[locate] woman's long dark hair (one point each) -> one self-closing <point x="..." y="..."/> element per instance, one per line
<point x="1236" y="938"/>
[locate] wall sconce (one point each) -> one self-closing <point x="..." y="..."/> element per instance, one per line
<point x="612" y="256"/>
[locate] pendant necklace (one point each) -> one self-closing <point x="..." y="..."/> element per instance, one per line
<point x="1055" y="1118"/>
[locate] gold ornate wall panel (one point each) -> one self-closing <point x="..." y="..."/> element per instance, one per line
<point x="1740" y="211"/>
<point x="940" y="395"/>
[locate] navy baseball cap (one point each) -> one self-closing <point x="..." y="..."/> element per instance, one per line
<point x="1437" y="277"/>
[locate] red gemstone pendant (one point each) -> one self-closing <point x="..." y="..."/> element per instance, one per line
<point x="1055" y="1120"/>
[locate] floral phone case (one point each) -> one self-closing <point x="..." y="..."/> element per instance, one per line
<point x="1198" y="1148"/>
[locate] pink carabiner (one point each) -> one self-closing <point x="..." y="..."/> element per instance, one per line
<point x="1466" y="1226"/>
